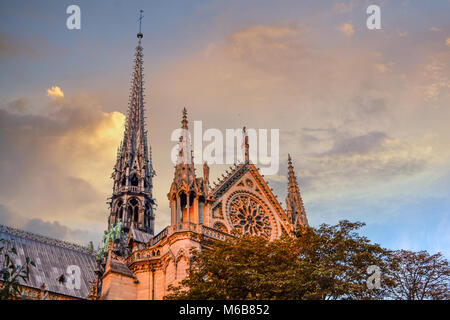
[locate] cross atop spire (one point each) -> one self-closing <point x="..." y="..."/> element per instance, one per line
<point x="140" y="35"/>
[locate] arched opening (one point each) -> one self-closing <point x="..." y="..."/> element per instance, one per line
<point x="133" y="210"/>
<point x="183" y="202"/>
<point x="134" y="180"/>
<point x="119" y="210"/>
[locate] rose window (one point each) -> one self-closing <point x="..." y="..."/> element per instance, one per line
<point x="247" y="214"/>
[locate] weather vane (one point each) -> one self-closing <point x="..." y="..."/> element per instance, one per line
<point x="140" y="35"/>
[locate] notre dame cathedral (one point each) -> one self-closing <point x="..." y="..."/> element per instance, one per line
<point x="136" y="263"/>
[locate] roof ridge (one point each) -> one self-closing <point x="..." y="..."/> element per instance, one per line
<point x="45" y="239"/>
<point x="221" y="181"/>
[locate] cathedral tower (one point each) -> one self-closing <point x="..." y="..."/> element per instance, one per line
<point x="190" y="197"/>
<point x="132" y="200"/>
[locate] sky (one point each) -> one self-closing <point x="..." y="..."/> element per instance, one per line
<point x="364" y="113"/>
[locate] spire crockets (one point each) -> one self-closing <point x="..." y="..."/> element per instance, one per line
<point x="294" y="203"/>
<point x="132" y="199"/>
<point x="190" y="197"/>
<point x="184" y="170"/>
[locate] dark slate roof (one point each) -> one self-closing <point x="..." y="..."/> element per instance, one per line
<point x="236" y="173"/>
<point x="140" y="236"/>
<point x="53" y="258"/>
<point x="120" y="267"/>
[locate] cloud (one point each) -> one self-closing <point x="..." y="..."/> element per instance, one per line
<point x="347" y="29"/>
<point x="55" y="92"/>
<point x="352" y="121"/>
<point x="382" y="67"/>
<point x="358" y="144"/>
<point x="17" y="105"/>
<point x="52" y="229"/>
<point x="365" y="108"/>
<point x="59" y="163"/>
<point x="340" y="164"/>
<point x="344" y="6"/>
<point x="436" y="76"/>
<point x="447" y="42"/>
<point x="10" y="48"/>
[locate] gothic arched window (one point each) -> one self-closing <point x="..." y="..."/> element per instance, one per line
<point x="120" y="210"/>
<point x="133" y="209"/>
<point x="134" y="180"/>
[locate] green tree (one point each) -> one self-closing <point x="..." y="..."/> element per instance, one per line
<point x="418" y="276"/>
<point x="11" y="273"/>
<point x="329" y="262"/>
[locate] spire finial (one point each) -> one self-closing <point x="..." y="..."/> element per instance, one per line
<point x="184" y="122"/>
<point x="292" y="179"/>
<point x="246" y="145"/>
<point x="140" y="35"/>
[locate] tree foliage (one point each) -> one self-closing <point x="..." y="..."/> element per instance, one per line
<point x="419" y="276"/>
<point x="10" y="272"/>
<point x="329" y="262"/>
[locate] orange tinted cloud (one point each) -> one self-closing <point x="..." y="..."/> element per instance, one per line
<point x="347" y="29"/>
<point x="55" y="92"/>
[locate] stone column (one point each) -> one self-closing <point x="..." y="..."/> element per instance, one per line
<point x="206" y="214"/>
<point x="173" y="214"/>
<point x="141" y="214"/>
<point x="195" y="215"/>
<point x="179" y="213"/>
<point x="188" y="213"/>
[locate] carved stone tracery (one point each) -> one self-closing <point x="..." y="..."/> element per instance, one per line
<point x="247" y="213"/>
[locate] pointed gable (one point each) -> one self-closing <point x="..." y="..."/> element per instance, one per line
<point x="245" y="185"/>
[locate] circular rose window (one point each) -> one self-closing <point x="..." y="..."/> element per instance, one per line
<point x="247" y="213"/>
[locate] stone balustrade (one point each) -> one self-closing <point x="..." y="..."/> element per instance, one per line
<point x="132" y="189"/>
<point x="149" y="254"/>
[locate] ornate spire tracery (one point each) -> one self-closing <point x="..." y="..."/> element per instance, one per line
<point x="294" y="202"/>
<point x="132" y="199"/>
<point x="190" y="197"/>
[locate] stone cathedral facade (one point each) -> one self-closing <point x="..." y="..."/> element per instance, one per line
<point x="142" y="264"/>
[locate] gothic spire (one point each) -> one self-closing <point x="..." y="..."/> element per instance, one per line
<point x="292" y="179"/>
<point x="184" y="146"/>
<point x="132" y="201"/>
<point x="188" y="192"/>
<point x="184" y="122"/>
<point x="294" y="201"/>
